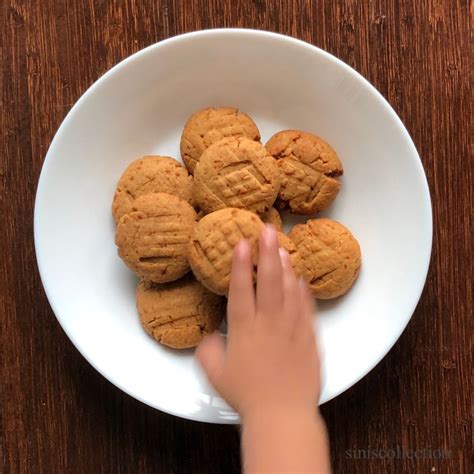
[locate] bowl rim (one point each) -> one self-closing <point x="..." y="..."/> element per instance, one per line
<point x="228" y="32"/>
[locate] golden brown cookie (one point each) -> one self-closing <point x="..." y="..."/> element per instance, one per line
<point x="272" y="216"/>
<point x="209" y="126"/>
<point x="309" y="169"/>
<point x="329" y="256"/>
<point x="153" y="238"/>
<point x="285" y="242"/>
<point x="236" y="172"/>
<point x="212" y="243"/>
<point x="179" y="314"/>
<point x="151" y="174"/>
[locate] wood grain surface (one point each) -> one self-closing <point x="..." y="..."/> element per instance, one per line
<point x="58" y="415"/>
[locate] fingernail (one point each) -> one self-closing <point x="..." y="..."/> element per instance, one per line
<point x="270" y="236"/>
<point x="284" y="256"/>
<point x="242" y="248"/>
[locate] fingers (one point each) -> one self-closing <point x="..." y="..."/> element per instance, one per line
<point x="305" y="327"/>
<point x="269" y="274"/>
<point x="291" y="289"/>
<point x="210" y="355"/>
<point x="308" y="306"/>
<point x="241" y="302"/>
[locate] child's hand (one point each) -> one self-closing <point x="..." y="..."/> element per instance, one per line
<point x="270" y="363"/>
<point x="269" y="371"/>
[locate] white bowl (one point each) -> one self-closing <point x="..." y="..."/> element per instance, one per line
<point x="139" y="107"/>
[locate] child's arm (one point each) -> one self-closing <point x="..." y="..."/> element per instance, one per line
<point x="269" y="370"/>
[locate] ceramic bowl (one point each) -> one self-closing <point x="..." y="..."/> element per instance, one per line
<point x="140" y="107"/>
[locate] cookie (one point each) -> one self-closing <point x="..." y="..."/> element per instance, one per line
<point x="151" y="174"/>
<point x="329" y="256"/>
<point x="211" y="125"/>
<point x="179" y="314"/>
<point x="153" y="238"/>
<point x="212" y="243"/>
<point x="272" y="216"/>
<point x="285" y="242"/>
<point x="236" y="172"/>
<point x="309" y="170"/>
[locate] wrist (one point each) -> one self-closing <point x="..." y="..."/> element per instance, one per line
<point x="285" y="440"/>
<point x="271" y="415"/>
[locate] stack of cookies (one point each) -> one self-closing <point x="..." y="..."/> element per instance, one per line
<point x="176" y="226"/>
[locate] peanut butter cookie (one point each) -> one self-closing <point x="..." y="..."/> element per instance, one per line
<point x="286" y="243"/>
<point x="329" y="256"/>
<point x="153" y="238"/>
<point x="209" y="126"/>
<point x="212" y="243"/>
<point x="179" y="314"/>
<point x="236" y="172"/>
<point x="272" y="216"/>
<point x="151" y="174"/>
<point x="309" y="169"/>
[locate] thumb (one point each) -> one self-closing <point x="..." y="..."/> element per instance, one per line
<point x="210" y="354"/>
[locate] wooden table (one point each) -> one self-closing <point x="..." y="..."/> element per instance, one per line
<point x="58" y="414"/>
